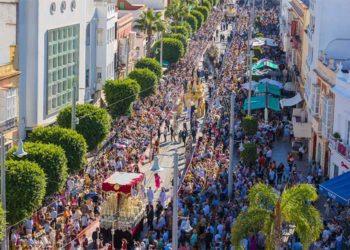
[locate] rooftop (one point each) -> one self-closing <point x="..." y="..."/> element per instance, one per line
<point x="336" y="55"/>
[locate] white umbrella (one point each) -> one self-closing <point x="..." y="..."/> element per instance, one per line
<point x="289" y="86"/>
<point x="246" y="85"/>
<point x="272" y="82"/>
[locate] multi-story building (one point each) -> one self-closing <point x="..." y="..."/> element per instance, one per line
<point x="63" y="43"/>
<point x="323" y="36"/>
<point x="9" y="73"/>
<point x="339" y="141"/>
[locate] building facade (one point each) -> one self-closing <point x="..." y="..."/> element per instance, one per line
<point x="63" y="43"/>
<point x="9" y="73"/>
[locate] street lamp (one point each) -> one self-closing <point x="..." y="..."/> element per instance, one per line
<point x="156" y="167"/>
<point x="19" y="153"/>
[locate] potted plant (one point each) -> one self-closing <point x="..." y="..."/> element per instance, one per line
<point x="336" y="136"/>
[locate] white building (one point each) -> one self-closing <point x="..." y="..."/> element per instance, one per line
<point x="62" y="43"/>
<point x="340" y="148"/>
<point x="158" y="5"/>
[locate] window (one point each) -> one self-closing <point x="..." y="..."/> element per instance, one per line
<point x="63" y="66"/>
<point x="99" y="37"/>
<point x="88" y="35"/>
<point x="315" y="99"/>
<point x="327" y="117"/>
<point x="87" y="72"/>
<point x="11" y="103"/>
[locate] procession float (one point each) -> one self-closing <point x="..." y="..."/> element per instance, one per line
<point x="124" y="207"/>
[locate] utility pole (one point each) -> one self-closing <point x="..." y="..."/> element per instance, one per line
<point x="250" y="35"/>
<point x="161" y="49"/>
<point x="175" y="200"/>
<point x="232" y="144"/>
<point x="127" y="58"/>
<point x="3" y="185"/>
<point x="73" y="119"/>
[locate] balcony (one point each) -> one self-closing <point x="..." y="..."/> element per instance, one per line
<point x="301" y="125"/>
<point x="340" y="147"/>
<point x="8" y="124"/>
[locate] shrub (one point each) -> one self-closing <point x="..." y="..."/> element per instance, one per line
<point x="2" y="222"/>
<point x="259" y="34"/>
<point x="204" y="10"/>
<point x="199" y="16"/>
<point x="94" y="123"/>
<point x="250" y="125"/>
<point x="179" y="37"/>
<point x="207" y="4"/>
<point x="146" y="79"/>
<point x="26" y="183"/>
<point x="173" y="49"/>
<point x="180" y="29"/>
<point x="50" y="158"/>
<point x="192" y="20"/>
<point x="120" y="94"/>
<point x="258" y="52"/>
<point x="188" y="27"/>
<point x="255" y="60"/>
<point x="249" y="154"/>
<point x="151" y="64"/>
<point x="71" y="141"/>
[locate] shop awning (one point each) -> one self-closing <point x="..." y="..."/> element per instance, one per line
<point x="122" y="182"/>
<point x="265" y="63"/>
<point x="337" y="188"/>
<point x="288" y="102"/>
<point x="259" y="102"/>
<point x="267" y="88"/>
<point x="252" y="83"/>
<point x="272" y="82"/>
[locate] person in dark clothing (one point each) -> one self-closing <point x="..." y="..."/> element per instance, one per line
<point x="194" y="133"/>
<point x="150" y="216"/>
<point x="206" y="107"/>
<point x="159" y="133"/>
<point x="96" y="235"/>
<point x="172" y="134"/>
<point x="184" y="136"/>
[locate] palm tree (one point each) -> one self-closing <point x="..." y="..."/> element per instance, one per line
<point x="177" y="10"/>
<point x="149" y="22"/>
<point x="268" y="211"/>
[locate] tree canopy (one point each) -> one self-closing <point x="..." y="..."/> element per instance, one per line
<point x="173" y="49"/>
<point x="179" y="37"/>
<point x="50" y="158"/>
<point x="146" y="79"/>
<point x="267" y="211"/>
<point x="192" y="21"/>
<point x="94" y="123"/>
<point x="151" y="64"/>
<point x="25" y="189"/>
<point x="204" y="10"/>
<point x="181" y="29"/>
<point x="199" y="16"/>
<point x="120" y="94"/>
<point x="71" y="141"/>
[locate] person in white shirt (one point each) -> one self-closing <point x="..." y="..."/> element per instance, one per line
<point x="162" y="197"/>
<point x="150" y="195"/>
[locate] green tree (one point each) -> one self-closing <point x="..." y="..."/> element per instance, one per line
<point x="173" y="49"/>
<point x="25" y="189"/>
<point x="249" y="154"/>
<point x="2" y="222"/>
<point x="199" y="16"/>
<point x="250" y="125"/>
<point x="180" y="29"/>
<point x="94" y="123"/>
<point x="207" y="4"/>
<point x="149" y="22"/>
<point x="179" y="37"/>
<point x="268" y="211"/>
<point x="204" y="10"/>
<point x="71" y="141"/>
<point x="51" y="158"/>
<point x="146" y="79"/>
<point x="120" y="94"/>
<point x="188" y="27"/>
<point x="177" y="10"/>
<point x="151" y="64"/>
<point x="192" y="21"/>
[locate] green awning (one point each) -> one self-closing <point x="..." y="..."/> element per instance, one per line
<point x="258" y="102"/>
<point x="264" y="63"/>
<point x="273" y="103"/>
<point x="267" y="88"/>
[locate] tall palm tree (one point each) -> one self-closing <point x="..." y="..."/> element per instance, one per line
<point x="177" y="10"/>
<point x="149" y="22"/>
<point x="268" y="211"/>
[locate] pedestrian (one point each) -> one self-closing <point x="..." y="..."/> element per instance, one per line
<point x="159" y="133"/>
<point x="150" y="195"/>
<point x="301" y="153"/>
<point x="157" y="180"/>
<point x="162" y="197"/>
<point x="184" y="136"/>
<point x="172" y="134"/>
<point x="165" y="132"/>
<point x="150" y="216"/>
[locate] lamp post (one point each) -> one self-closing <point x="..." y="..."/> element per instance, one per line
<point x="232" y="144"/>
<point x="156" y="168"/>
<point x="250" y="35"/>
<point x="161" y="49"/>
<point x="74" y="119"/>
<point x="19" y="153"/>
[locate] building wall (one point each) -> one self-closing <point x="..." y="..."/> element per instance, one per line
<point x="36" y="18"/>
<point x="152" y="4"/>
